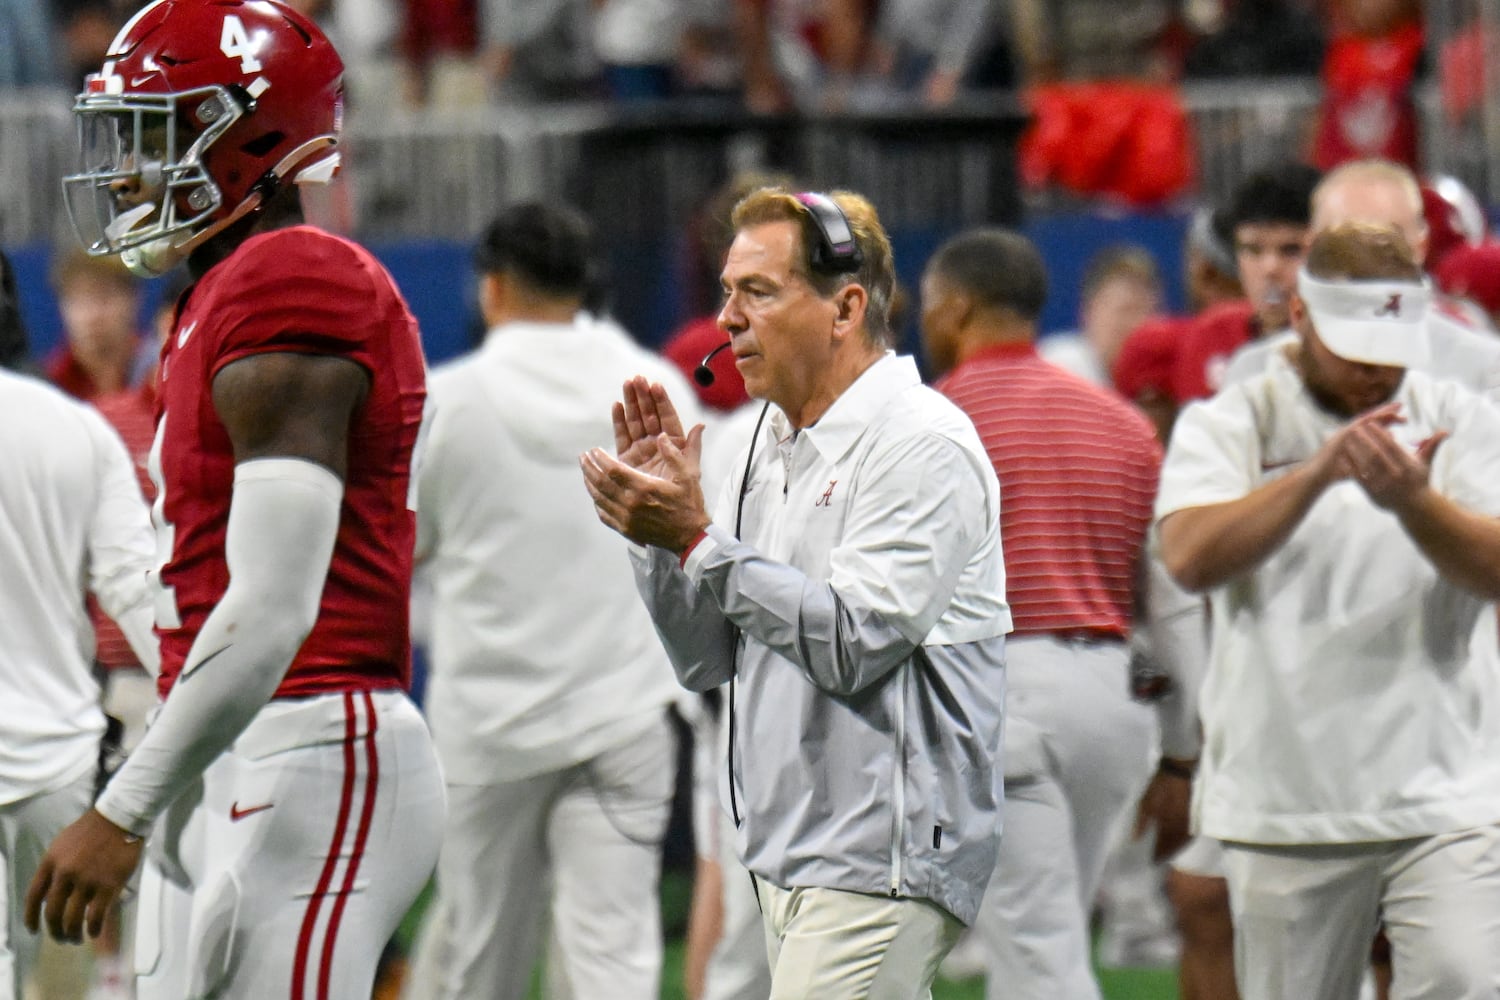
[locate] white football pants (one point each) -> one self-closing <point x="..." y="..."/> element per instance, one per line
<point x="285" y="872"/>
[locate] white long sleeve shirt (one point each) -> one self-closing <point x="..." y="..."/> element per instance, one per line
<point x="72" y="521"/>
<point x="542" y="652"/>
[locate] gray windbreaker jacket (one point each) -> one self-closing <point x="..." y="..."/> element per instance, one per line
<point x="863" y="619"/>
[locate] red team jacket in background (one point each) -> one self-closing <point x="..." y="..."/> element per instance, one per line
<point x="297" y="290"/>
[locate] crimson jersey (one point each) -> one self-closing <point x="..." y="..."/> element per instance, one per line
<point x="297" y="290"/>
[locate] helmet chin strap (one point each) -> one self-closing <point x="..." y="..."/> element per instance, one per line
<point x="159" y="256"/>
<point x="150" y="259"/>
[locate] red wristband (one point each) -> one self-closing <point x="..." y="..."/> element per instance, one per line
<point x="683" y="557"/>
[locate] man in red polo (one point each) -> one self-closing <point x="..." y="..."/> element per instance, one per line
<point x="1077" y="468"/>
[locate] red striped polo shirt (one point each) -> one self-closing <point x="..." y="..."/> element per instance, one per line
<point x="1078" y="470"/>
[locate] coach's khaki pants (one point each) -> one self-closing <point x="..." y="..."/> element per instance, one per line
<point x="1304" y="917"/>
<point x="827" y="944"/>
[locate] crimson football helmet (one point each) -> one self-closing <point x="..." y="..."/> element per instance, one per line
<point x="203" y="108"/>
<point x="1454" y="217"/>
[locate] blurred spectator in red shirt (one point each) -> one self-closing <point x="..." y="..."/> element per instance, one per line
<point x="432" y="32"/>
<point x="1368" y="73"/>
<point x="434" y="26"/>
<point x="1464" y="69"/>
<point x="100" y="305"/>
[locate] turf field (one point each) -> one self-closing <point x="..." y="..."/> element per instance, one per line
<point x="1118" y="984"/>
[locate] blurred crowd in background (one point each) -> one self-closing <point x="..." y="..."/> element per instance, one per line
<point x="1092" y="73"/>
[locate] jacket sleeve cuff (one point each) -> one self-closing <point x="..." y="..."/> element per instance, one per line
<point x="699" y="552"/>
<point x="682" y="557"/>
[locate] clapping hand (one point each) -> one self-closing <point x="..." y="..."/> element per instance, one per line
<point x="1389" y="474"/>
<point x="649" y="491"/>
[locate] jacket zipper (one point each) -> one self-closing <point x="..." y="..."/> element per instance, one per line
<point x="898" y="796"/>
<point x="734" y="800"/>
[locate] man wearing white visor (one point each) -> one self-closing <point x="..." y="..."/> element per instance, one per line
<point x="1340" y="511"/>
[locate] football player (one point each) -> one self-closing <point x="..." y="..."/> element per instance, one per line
<point x="287" y="792"/>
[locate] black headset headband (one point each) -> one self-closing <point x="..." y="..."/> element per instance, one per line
<point x="837" y="251"/>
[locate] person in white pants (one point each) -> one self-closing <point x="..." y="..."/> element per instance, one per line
<point x="72" y="522"/>
<point x="1077" y="746"/>
<point x="549" y="690"/>
<point x="1340" y="511"/>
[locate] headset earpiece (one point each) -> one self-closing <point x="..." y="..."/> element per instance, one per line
<point x="837" y="251"/>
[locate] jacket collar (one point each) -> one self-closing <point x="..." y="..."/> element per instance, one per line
<point x="837" y="430"/>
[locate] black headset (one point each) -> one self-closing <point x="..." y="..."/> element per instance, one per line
<point x="837" y="251"/>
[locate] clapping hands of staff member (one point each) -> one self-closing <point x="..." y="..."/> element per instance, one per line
<point x="1365" y="452"/>
<point x="1388" y="473"/>
<point x="650" y="490"/>
<point x="81" y="877"/>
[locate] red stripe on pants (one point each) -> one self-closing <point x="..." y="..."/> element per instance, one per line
<point x="346" y="802"/>
<point x="372" y="781"/>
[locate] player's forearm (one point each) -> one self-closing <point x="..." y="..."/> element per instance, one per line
<point x="1172" y="635"/>
<point x="1178" y="647"/>
<point x="1464" y="546"/>
<point x="1204" y="547"/>
<point x="283" y="521"/>
<point x="205" y="713"/>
